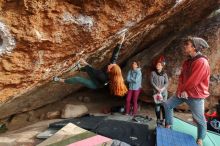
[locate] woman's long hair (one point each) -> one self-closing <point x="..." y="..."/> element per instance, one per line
<point x="116" y="81"/>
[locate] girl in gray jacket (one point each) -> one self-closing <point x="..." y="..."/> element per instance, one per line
<point x="159" y="81"/>
<point x="134" y="78"/>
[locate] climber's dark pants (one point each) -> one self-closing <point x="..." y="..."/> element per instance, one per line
<point x="98" y="78"/>
<point x="92" y="83"/>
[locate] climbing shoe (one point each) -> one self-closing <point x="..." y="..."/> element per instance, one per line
<point x="56" y="79"/>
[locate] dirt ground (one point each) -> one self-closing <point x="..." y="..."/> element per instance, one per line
<point x="98" y="102"/>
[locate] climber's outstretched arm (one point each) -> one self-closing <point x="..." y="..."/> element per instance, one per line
<point x="117" y="49"/>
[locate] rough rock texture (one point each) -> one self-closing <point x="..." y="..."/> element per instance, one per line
<point x="46" y="37"/>
<point x="50" y="34"/>
<point x="209" y="29"/>
<point x="7" y="141"/>
<point x="53" y="115"/>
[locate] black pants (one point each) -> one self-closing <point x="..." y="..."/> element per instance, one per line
<point x="158" y="109"/>
<point x="99" y="77"/>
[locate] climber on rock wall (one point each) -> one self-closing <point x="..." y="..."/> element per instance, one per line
<point x="111" y="74"/>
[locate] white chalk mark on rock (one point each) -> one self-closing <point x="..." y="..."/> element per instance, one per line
<point x="8" y="42"/>
<point x="178" y="2"/>
<point x="82" y="20"/>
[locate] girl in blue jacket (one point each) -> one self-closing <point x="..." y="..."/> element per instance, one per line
<point x="134" y="78"/>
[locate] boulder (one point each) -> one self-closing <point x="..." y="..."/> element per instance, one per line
<point x="72" y="111"/>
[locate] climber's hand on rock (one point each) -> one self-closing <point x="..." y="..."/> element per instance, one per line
<point x="122" y="38"/>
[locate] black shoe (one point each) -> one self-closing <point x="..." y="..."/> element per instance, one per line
<point x="162" y="122"/>
<point x="158" y="122"/>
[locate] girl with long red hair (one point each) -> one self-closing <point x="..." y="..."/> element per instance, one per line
<point x="111" y="75"/>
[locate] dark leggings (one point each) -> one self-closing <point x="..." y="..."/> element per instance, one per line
<point x="97" y="77"/>
<point x="93" y="82"/>
<point x="158" y="109"/>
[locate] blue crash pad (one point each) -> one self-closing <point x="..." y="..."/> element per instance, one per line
<point x="168" y="137"/>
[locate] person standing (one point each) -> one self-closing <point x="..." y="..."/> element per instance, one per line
<point x="193" y="85"/>
<point x="134" y="78"/>
<point x="159" y="82"/>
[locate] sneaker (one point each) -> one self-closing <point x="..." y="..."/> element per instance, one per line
<point x="56" y="79"/>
